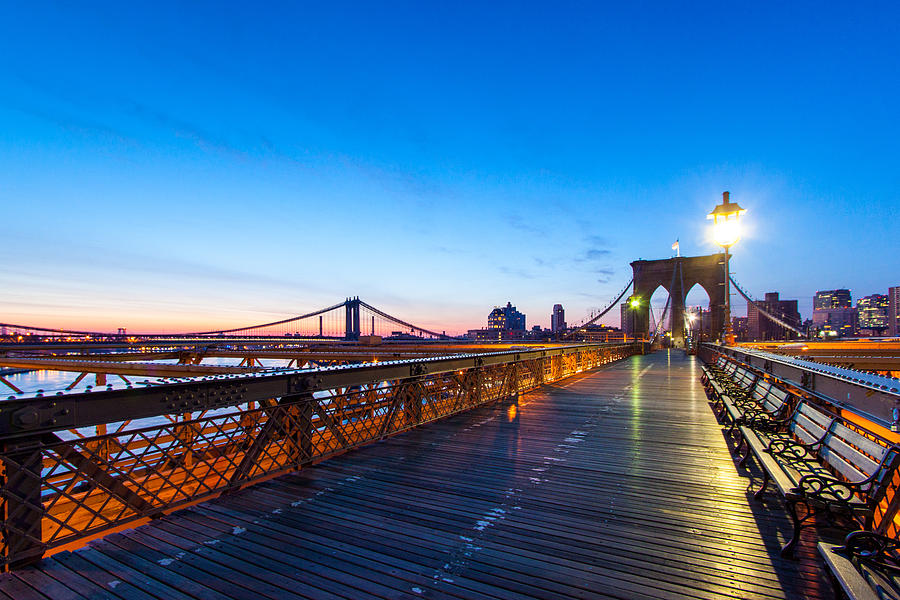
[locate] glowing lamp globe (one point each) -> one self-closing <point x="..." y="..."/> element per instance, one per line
<point x="726" y="222"/>
<point x="635" y="302"/>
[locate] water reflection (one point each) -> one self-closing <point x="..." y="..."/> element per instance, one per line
<point x="52" y="381"/>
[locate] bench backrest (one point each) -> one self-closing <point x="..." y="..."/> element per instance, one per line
<point x="721" y="362"/>
<point x="744" y="378"/>
<point x="809" y="424"/>
<point x="772" y="398"/>
<point x="858" y="458"/>
<point x="729" y="369"/>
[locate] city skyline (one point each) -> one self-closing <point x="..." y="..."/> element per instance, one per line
<point x="182" y="168"/>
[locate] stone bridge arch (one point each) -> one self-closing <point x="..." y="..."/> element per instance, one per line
<point x="678" y="275"/>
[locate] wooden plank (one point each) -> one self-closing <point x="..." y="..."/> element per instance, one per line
<point x="254" y="574"/>
<point x="157" y="567"/>
<point x="614" y="558"/>
<point x="849" y="578"/>
<point x="107" y="584"/>
<point x="204" y="570"/>
<point x="45" y="584"/>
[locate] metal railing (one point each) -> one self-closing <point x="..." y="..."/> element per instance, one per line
<point x="871" y="396"/>
<point x="76" y="464"/>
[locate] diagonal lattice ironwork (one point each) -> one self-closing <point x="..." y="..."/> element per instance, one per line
<point x="56" y="491"/>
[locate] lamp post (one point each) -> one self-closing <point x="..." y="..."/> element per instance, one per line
<point x="635" y="303"/>
<point x="691" y="317"/>
<point x="726" y="232"/>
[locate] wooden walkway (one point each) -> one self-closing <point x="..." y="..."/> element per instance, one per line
<point x="615" y="483"/>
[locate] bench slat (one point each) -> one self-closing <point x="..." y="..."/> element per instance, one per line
<point x="780" y="393"/>
<point x="863" y="463"/>
<point x="781" y="478"/>
<point x="802" y="423"/>
<point x="844" y="467"/>
<point x="854" y="438"/>
<point x="851" y="580"/>
<point x="762" y="389"/>
<point x="824" y="420"/>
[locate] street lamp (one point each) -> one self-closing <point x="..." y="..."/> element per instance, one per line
<point x="691" y="317"/>
<point x="726" y="232"/>
<point x="635" y="303"/>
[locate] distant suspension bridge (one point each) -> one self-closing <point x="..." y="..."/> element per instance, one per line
<point x="353" y="318"/>
<point x="347" y="320"/>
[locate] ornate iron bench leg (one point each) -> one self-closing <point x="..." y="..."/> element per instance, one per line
<point x="788" y="550"/>
<point x="762" y="488"/>
<point x="737" y="435"/>
<point x="745" y="455"/>
<point x="731" y="426"/>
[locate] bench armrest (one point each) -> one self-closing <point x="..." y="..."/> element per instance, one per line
<point x="760" y="420"/>
<point x="872" y="547"/>
<point x="826" y="489"/>
<point x="791" y="449"/>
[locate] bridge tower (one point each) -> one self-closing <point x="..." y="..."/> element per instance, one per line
<point x="351" y="330"/>
<point x="678" y="275"/>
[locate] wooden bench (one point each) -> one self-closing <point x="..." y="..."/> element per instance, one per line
<point x="865" y="567"/>
<point x="709" y="372"/>
<point x="816" y="461"/>
<point x="737" y="388"/>
<point x="766" y="403"/>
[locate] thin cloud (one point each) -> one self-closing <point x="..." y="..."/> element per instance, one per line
<point x="518" y="223"/>
<point x="605" y="274"/>
<point x="516" y="272"/>
<point x="596" y="254"/>
<point x="181" y="128"/>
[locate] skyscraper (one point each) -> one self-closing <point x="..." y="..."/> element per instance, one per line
<point x="558" y="319"/>
<point x="873" y="313"/>
<point x="833" y="313"/>
<point x="894" y="311"/>
<point x="828" y="299"/>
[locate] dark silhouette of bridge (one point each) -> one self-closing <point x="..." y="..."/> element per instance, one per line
<point x="347" y="320"/>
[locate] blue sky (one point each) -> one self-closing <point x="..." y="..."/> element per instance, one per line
<point x="165" y="166"/>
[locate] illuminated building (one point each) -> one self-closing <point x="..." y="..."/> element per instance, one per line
<point x="600" y="333"/>
<point x="506" y="317"/>
<point x="894" y="311"/>
<point x="834" y="315"/>
<point x="841" y="322"/>
<point x="741" y="326"/>
<point x="760" y="327"/>
<point x="873" y="313"/>
<point x="626" y="323"/>
<point x="558" y="319"/>
<point x="829" y="299"/>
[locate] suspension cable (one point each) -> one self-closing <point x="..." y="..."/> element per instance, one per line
<point x="401" y="322"/>
<point x="603" y="312"/>
<point x="765" y="312"/>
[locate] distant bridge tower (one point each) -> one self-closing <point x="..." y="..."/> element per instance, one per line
<point x="351" y="331"/>
<point x="678" y="275"/>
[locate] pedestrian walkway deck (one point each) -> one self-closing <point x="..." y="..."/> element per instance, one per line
<point x="614" y="483"/>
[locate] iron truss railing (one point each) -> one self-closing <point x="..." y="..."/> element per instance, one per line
<point x="75" y="464"/>
<point x="874" y="397"/>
